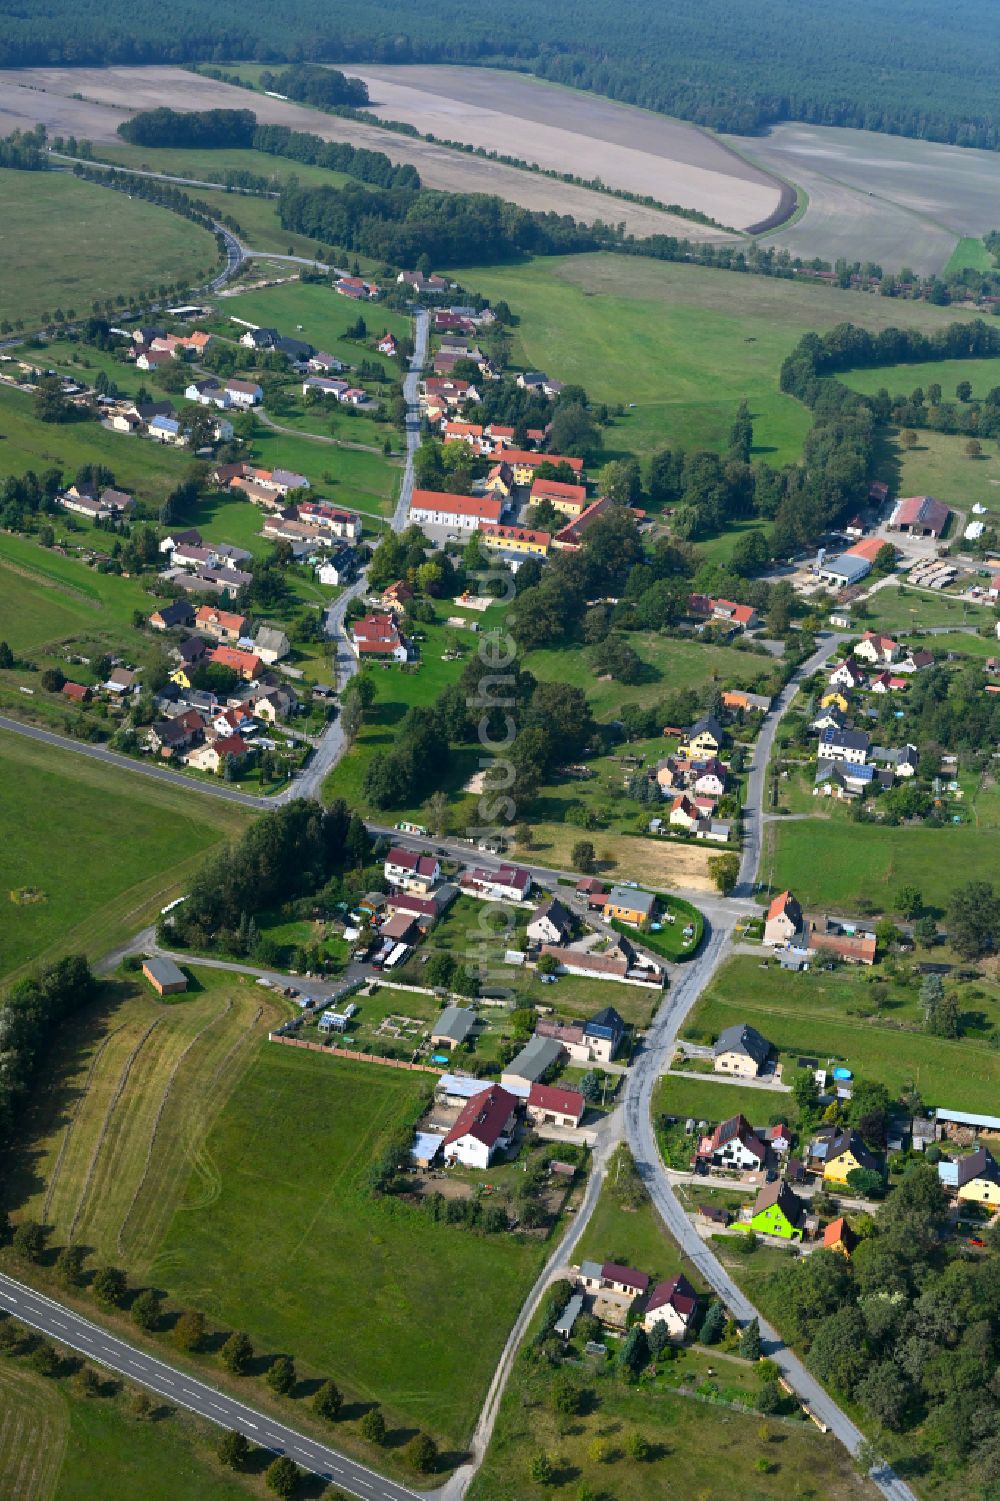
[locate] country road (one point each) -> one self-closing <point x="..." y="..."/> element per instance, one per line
<point x="632" y="1121"/>
<point x="178" y="1388"/>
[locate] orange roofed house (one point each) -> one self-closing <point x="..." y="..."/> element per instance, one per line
<point x="568" y="500"/>
<point x="376" y="636"/>
<point x="784" y="920"/>
<point x="246" y="663"/>
<point x="463" y="513"/>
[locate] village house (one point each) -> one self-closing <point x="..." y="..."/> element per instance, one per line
<point x="595" y="1041"/>
<point x="244" y="393"/>
<point x="683" y="813"/>
<point x="464" y="513"/>
<point x="733" y="1144"/>
<point x="779" y="1211"/>
<point x="550" y="1106"/>
<point x="212" y="757"/>
<point x="275" y="704"/>
<point x="515" y="541"/>
<point x="322" y="385"/>
<point x="736" y="700"/>
<point x="844" y="779"/>
<point x="673" y="1304"/>
<point x="78" y="693"/>
<point x="484" y="1127"/>
<point x="500" y="481"/>
<point x="844" y="745"/>
<point x="411" y="871"/>
<point x="838" y="1236"/>
<point x="705" y="738"/>
<point x="877" y="649"/>
<point x="723" y="612"/>
<point x="271" y="645"/>
<point x="377" y="636"/>
<point x="221" y="625"/>
<point x="846" y="674"/>
<point x="208" y="393"/>
<point x="849" y="943"/>
<point x="508" y="883"/>
<point x="550" y="923"/>
<point x="245" y="664"/>
<point x="169" y="617"/>
<point x="619" y="961"/>
<point x="345" y="524"/>
<point x="974" y="1179"/>
<point x="834" y="1153"/>
<point x="569" y="500"/>
<point x="740" y="1051"/>
<point x="629" y="905"/>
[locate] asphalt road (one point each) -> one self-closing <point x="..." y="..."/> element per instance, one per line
<point x="753" y="810"/>
<point x="179" y="1389"/>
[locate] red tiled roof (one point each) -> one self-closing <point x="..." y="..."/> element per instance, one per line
<point x="554" y="489"/>
<point x="781" y="904"/>
<point x="514" y="533"/>
<point x="529" y="457"/>
<point x="868" y="548"/>
<point x="483" y="506"/>
<point x="562" y="1101"/>
<point x="484" y="1117"/>
<point x="678" y="1293"/>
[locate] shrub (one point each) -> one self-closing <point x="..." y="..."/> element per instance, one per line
<point x="234" y="1450"/>
<point x="281" y="1375"/>
<point x="422" y="1454"/>
<point x="189" y="1332"/>
<point x="237" y="1353"/>
<point x="372" y="1426"/>
<point x="110" y="1286"/>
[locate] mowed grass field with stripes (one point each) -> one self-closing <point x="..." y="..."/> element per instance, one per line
<point x="176" y="1142"/>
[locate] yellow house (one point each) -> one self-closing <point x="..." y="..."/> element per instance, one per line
<point x="501" y="480"/>
<point x="629" y="905"/>
<point x="976" y="1178"/>
<point x="516" y="539"/>
<point x="845" y="1151"/>
<point x="704" y="739"/>
<point x="180" y="677"/>
<point x="836" y="697"/>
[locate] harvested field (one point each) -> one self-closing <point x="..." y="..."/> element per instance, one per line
<point x="882" y="198"/>
<point x="564" y="130"/>
<point x="33" y="95"/>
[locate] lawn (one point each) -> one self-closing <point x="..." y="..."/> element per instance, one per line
<point x="685" y="343"/>
<point x="134" y="844"/>
<point x="67" y="243"/>
<point x="345" y="476"/>
<point x="900" y="607"/>
<point x="311" y="311"/>
<point x="632" y="1237"/>
<point x="211" y="165"/>
<point x="940" y="466"/>
<point x="84" y="361"/>
<point x="695" y="1448"/>
<point x="833" y="864"/>
<point x="247" y="1220"/>
<point x="808" y="1014"/>
<point x="969" y="254"/>
<point x="671" y="664"/>
<point x="56" y="1445"/>
<point x="148" y="470"/>
<point x="706" y="1099"/>
<point x="901" y="379"/>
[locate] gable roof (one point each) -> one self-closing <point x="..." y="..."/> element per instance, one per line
<point x="839" y="1233"/>
<point x="562" y="1101"/>
<point x="787" y="1201"/>
<point x="736" y="1128"/>
<point x="678" y="1293"/>
<point x="741" y="1038"/>
<point x="611" y="1271"/>
<point x="785" y="905"/>
<point x="484" y="1117"/>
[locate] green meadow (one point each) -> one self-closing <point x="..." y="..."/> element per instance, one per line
<point x="684" y="343"/>
<point x="66" y="243"/>
<point x="100" y="850"/>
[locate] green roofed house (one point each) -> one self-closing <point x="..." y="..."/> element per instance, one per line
<point x="778" y="1211"/>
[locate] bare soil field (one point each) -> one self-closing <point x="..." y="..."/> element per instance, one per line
<point x="883" y="198"/>
<point x="564" y="130"/>
<point x="109" y="95"/>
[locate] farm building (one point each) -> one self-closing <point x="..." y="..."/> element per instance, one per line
<point x="165" y="976"/>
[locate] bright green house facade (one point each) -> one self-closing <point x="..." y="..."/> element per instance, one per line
<point x="778" y="1211"/>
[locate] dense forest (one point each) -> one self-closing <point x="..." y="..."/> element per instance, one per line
<point x="190" y="127"/>
<point x="451" y="229"/>
<point x="907" y="67"/>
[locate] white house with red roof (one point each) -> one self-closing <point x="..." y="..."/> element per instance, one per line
<point x="674" y="1304"/>
<point x="783" y="921"/>
<point x="733" y="1144"/>
<point x="878" y="649"/>
<point x="376" y="636"/>
<point x="463" y="513"/>
<point x="550" y="1106"/>
<point x="483" y="1128"/>
<point x="846" y="675"/>
<point x="408" y="870"/>
<point x="508" y="883"/>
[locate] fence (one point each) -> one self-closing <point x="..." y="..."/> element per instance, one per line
<point x="320" y="1047"/>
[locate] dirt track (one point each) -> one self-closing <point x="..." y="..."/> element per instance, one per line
<point x="568" y="131"/>
<point x="34" y="95"/>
